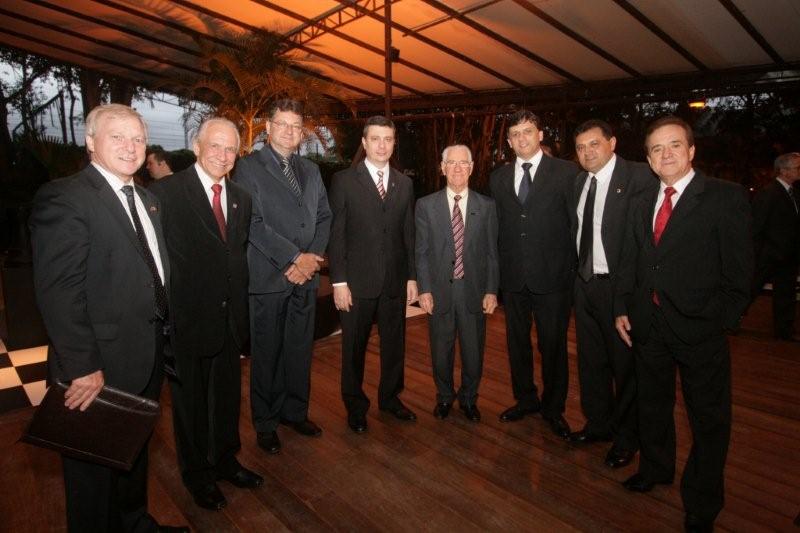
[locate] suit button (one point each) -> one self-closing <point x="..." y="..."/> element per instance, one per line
<point x="302" y="224"/>
<point x="523" y="234"/>
<point x="655" y="267"/>
<point x="451" y="281"/>
<point x="225" y="304"/>
<point x="523" y="216"/>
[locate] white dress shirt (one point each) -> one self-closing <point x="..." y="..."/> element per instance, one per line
<point x="518" y="170"/>
<point x="462" y="203"/>
<point x="373" y="172"/>
<point x="603" y="177"/>
<point x="207" y="182"/>
<point x="147" y="224"/>
<point x="679" y="187"/>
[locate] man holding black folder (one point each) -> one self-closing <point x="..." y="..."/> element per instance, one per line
<point x="100" y="267"/>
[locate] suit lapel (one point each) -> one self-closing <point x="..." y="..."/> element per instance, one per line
<point x="538" y="178"/>
<point x="155" y="217"/>
<point x="472" y="214"/>
<point x="364" y="178"/>
<point x="614" y="201"/>
<point x="679" y="221"/>
<point x="109" y="199"/>
<point x="270" y="163"/>
<point x="198" y="200"/>
<point x="234" y="209"/>
<point x="443" y="220"/>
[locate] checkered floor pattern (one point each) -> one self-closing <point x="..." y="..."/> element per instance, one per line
<point x="22" y="377"/>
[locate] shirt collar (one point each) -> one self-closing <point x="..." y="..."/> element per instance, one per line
<point x="373" y="170"/>
<point x="604" y="174"/>
<point x="535" y="160"/>
<point x="786" y="186"/>
<point x="451" y="195"/>
<point x="115" y="182"/>
<point x="206" y="180"/>
<point x="681" y="184"/>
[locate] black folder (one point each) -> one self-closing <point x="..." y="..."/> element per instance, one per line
<point x="112" y="431"/>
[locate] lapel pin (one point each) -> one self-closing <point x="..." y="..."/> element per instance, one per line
<point x="619" y="191"/>
<point x="235" y="205"/>
<point x="153" y="209"/>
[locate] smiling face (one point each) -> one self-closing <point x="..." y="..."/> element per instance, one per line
<point x="118" y="144"/>
<point x="457" y="168"/>
<point x="379" y="145"/>
<point x="594" y="150"/>
<point x="669" y="153"/>
<point x="524" y="139"/>
<point x="216" y="150"/>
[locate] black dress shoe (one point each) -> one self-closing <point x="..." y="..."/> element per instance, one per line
<point x="441" y="410"/>
<point x="471" y="412"/>
<point x="172" y="529"/>
<point x="269" y="442"/>
<point x="305" y="427"/>
<point x="209" y="497"/>
<point x="637" y="483"/>
<point x="401" y="413"/>
<point x="357" y="423"/>
<point x="618" y="457"/>
<point x="559" y="426"/>
<point x="694" y="524"/>
<point x="244" y="478"/>
<point x="517" y="412"/>
<point x="585" y="437"/>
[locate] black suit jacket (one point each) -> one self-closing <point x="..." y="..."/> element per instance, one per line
<point x="282" y="225"/>
<point x="776" y="227"/>
<point x="372" y="240"/>
<point x="93" y="286"/>
<point x="628" y="179"/>
<point x="435" y="250"/>
<point x="535" y="244"/>
<point x="208" y="286"/>
<point x="701" y="269"/>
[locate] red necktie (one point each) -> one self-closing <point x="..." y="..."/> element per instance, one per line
<point x="662" y="217"/>
<point x="216" y="206"/>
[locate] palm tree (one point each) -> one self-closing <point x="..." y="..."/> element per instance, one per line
<point x="245" y="80"/>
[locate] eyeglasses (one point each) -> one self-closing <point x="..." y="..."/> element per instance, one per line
<point x="462" y="163"/>
<point x="296" y="128"/>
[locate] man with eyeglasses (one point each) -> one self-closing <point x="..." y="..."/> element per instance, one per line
<point x="776" y="228"/>
<point x="372" y="270"/>
<point x="537" y="268"/>
<point x="289" y="231"/>
<point x="101" y="275"/>
<point x="206" y="223"/>
<point x="457" y="276"/>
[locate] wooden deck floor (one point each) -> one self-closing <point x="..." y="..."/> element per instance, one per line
<point x="454" y="475"/>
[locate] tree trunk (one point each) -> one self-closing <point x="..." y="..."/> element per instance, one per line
<point x="90" y="90"/>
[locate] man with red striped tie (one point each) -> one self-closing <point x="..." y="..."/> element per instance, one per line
<point x="684" y="282"/>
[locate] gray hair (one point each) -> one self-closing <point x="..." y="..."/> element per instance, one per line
<point x="785" y="160"/>
<point x="444" y="152"/>
<point x="111" y="111"/>
<point x="207" y="123"/>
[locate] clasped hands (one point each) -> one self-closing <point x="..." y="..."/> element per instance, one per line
<point x="303" y="268"/>
<point x="489" y="303"/>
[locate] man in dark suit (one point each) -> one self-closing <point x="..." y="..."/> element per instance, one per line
<point x="100" y="267"/>
<point x="372" y="270"/>
<point x="776" y="228"/>
<point x="537" y="268"/>
<point x="206" y="222"/>
<point x="684" y="280"/>
<point x="605" y="364"/>
<point x="289" y="230"/>
<point x="457" y="276"/>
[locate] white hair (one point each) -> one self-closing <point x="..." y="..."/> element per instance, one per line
<point x="464" y="146"/>
<point x="207" y="123"/>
